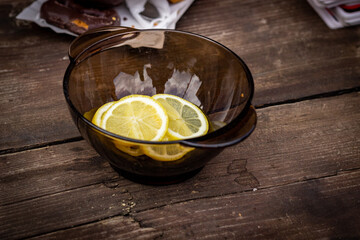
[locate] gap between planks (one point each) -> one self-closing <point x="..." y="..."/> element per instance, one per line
<point x="311" y="97"/>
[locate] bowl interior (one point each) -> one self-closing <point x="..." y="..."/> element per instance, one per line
<point x="162" y="61"/>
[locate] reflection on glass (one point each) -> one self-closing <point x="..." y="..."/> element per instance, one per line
<point x="181" y="83"/>
<point x="185" y="85"/>
<point x="125" y="84"/>
<point x="143" y="39"/>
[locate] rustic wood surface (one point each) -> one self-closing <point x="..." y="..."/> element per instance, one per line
<point x="296" y="177"/>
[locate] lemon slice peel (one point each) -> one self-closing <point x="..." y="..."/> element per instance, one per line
<point x="186" y="120"/>
<point x="166" y="152"/>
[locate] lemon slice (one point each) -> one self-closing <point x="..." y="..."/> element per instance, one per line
<point x="90" y="114"/>
<point x="168" y="152"/>
<point x="136" y="116"/>
<point x="131" y="149"/>
<point x="100" y="112"/>
<point x="123" y="146"/>
<point x="186" y="120"/>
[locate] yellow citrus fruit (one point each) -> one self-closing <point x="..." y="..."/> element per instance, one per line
<point x="167" y="152"/>
<point x="135" y="116"/>
<point x="100" y="112"/>
<point x="131" y="149"/>
<point x="90" y="114"/>
<point x="124" y="146"/>
<point x="186" y="120"/>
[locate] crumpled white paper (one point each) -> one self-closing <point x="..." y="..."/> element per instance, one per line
<point x="129" y="13"/>
<point x="334" y="15"/>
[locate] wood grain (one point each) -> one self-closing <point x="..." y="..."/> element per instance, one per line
<point x="114" y="228"/>
<point x="35" y="173"/>
<point x="63" y="210"/>
<point x="70" y="178"/>
<point x="315" y="209"/>
<point x="288" y="48"/>
<point x="306" y="210"/>
<point x="31" y="98"/>
<point x="321" y="208"/>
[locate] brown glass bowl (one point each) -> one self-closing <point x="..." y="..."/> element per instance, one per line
<point x="109" y="63"/>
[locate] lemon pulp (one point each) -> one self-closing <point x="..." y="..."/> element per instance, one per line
<point x="136" y="116"/>
<point x="186" y="120"/>
<point x="167" y="152"/>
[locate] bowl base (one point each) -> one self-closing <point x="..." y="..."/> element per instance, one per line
<point x="151" y="180"/>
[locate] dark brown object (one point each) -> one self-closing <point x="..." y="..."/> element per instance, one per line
<point x="101" y="3"/>
<point x="75" y="17"/>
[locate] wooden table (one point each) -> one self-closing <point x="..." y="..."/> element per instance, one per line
<point x="296" y="177"/>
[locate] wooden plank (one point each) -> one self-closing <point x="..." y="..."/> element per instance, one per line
<point x="321" y="208"/>
<point x="49" y="170"/>
<point x="288" y="48"/>
<point x="114" y="228"/>
<point x="31" y="98"/>
<point x="292" y="143"/>
<point x="288" y="61"/>
<point x="317" y="209"/>
<point x="63" y="210"/>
